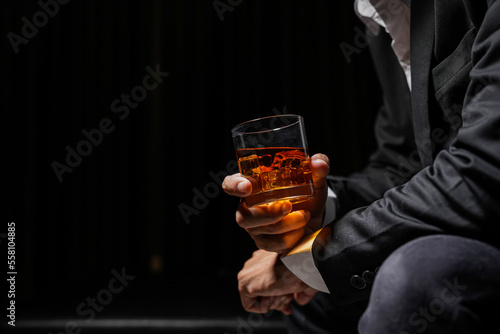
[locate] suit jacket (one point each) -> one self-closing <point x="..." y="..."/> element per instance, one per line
<point x="437" y="166"/>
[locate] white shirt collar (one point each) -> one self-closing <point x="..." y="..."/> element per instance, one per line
<point x="394" y="16"/>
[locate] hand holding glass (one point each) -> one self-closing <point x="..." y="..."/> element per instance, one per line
<point x="272" y="154"/>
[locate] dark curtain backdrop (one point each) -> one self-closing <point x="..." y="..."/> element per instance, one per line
<point x="119" y="207"/>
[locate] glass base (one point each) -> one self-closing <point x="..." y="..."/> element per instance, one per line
<point x="295" y="194"/>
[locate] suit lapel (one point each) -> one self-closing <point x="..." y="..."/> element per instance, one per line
<point x="421" y="48"/>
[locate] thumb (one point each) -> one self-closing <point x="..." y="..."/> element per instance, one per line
<point x="237" y="185"/>
<point x="320" y="166"/>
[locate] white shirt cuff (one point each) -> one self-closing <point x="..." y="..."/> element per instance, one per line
<point x="299" y="260"/>
<point x="330" y="207"/>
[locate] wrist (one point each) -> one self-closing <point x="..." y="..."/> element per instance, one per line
<point x="315" y="223"/>
<point x="300" y="262"/>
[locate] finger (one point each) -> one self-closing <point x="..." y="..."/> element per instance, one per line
<point x="252" y="304"/>
<point x="304" y="297"/>
<point x="261" y="215"/>
<point x="320" y="166"/>
<point x="281" y="302"/>
<point x="293" y="221"/>
<point x="237" y="185"/>
<point x="287" y="309"/>
<point x="264" y="304"/>
<point x="280" y="242"/>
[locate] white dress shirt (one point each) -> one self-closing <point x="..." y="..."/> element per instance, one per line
<point x="394" y="16"/>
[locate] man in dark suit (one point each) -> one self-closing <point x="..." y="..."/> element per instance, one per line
<point x="415" y="243"/>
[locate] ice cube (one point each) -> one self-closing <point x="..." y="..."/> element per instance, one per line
<point x="286" y="177"/>
<point x="273" y="178"/>
<point x="279" y="160"/>
<point x="265" y="162"/>
<point x="264" y="180"/>
<point x="294" y="158"/>
<point x="249" y="165"/>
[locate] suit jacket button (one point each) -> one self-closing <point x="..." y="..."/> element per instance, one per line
<point x="358" y="282"/>
<point x="368" y="276"/>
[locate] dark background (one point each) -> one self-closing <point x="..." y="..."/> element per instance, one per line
<point x="119" y="208"/>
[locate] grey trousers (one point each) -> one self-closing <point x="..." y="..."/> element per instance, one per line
<point x="435" y="284"/>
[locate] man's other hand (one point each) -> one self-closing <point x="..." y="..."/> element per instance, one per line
<point x="266" y="284"/>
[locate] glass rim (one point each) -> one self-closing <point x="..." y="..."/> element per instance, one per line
<point x="299" y="118"/>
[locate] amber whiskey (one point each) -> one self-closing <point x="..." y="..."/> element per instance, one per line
<point x="276" y="173"/>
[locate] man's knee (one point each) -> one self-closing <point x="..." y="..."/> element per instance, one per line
<point x="423" y="284"/>
<point x="410" y="272"/>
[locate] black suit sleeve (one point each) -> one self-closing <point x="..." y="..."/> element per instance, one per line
<point x="393" y="133"/>
<point x="458" y="194"/>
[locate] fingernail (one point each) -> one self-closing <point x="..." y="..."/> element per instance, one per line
<point x="307" y="214"/>
<point x="241" y="187"/>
